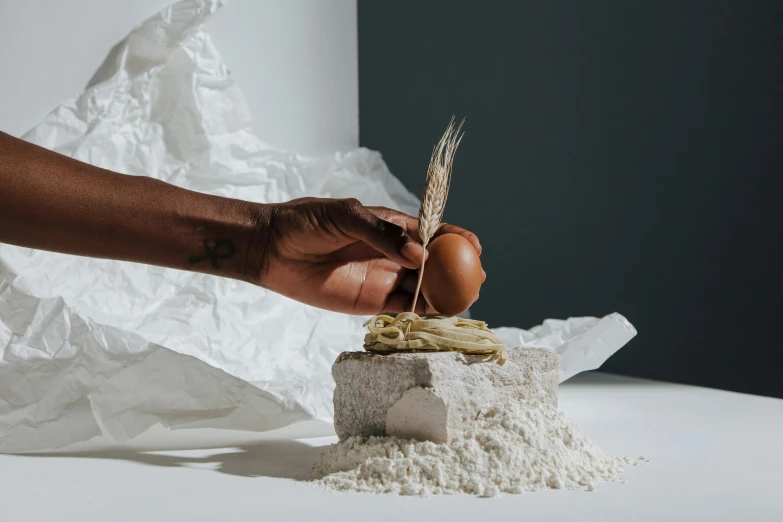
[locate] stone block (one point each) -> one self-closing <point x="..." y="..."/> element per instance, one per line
<point x="433" y="396"/>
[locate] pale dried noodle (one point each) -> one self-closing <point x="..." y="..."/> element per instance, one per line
<point x="432" y="334"/>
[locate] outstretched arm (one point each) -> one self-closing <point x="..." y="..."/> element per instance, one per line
<point x="331" y="253"/>
<point x="51" y="202"/>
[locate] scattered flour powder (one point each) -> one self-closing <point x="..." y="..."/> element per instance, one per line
<point x="508" y="449"/>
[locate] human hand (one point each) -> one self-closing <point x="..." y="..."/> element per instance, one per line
<point x="339" y="255"/>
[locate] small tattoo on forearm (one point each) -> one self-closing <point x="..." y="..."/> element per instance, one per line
<point x="215" y="249"/>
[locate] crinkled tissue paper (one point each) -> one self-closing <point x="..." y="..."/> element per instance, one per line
<point x="96" y="347"/>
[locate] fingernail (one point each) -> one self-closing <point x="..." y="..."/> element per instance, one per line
<point x="483" y="273"/>
<point x="412" y="252"/>
<point x="480" y="248"/>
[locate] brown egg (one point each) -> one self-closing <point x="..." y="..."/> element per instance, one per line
<point x="452" y="274"/>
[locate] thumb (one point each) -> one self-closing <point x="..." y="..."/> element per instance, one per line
<point x="356" y="221"/>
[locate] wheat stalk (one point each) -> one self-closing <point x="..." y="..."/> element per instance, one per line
<point x="436" y="190"/>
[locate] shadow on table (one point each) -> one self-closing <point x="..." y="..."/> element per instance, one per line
<point x="287" y="459"/>
<point x="599" y="378"/>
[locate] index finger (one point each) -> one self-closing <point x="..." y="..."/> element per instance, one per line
<point x="411" y="226"/>
<point x="446" y="228"/>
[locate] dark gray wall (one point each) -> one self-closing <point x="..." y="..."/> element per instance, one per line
<point x="619" y="156"/>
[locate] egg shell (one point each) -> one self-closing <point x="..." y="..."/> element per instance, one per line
<point x="452" y="274"/>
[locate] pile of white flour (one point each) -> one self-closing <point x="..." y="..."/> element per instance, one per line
<point x="509" y="449"/>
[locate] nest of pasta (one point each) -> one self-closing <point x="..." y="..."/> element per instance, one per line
<point x="409" y="332"/>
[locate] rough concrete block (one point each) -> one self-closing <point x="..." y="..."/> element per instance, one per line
<point x="433" y="396"/>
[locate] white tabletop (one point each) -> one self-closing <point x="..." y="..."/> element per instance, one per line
<point x="714" y="456"/>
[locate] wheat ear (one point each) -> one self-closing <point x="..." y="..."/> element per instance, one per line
<point x="436" y="190"/>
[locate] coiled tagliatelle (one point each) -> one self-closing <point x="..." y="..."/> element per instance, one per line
<point x="432" y="334"/>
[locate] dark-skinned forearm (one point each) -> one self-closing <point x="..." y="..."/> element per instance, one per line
<point x="51" y="202"/>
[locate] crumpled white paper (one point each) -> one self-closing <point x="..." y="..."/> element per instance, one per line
<point x="95" y="347"/>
